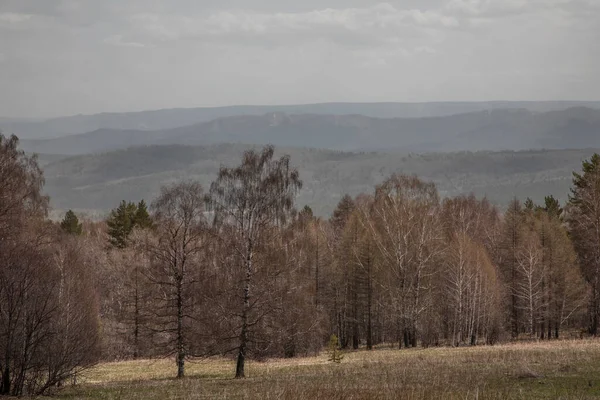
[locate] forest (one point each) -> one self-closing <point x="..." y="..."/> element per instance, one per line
<point x="239" y="270"/>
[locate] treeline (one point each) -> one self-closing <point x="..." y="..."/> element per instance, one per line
<point x="235" y="269"/>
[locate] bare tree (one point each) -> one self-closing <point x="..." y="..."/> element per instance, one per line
<point x="48" y="312"/>
<point x="565" y="290"/>
<point x="529" y="283"/>
<point x="338" y="289"/>
<point x="471" y="290"/>
<point x="75" y="343"/>
<point x="255" y="198"/>
<point x="48" y="327"/>
<point x="510" y="243"/>
<point x="584" y="226"/>
<point x="175" y="251"/>
<point x="21" y="182"/>
<point x="303" y="254"/>
<point x="365" y="270"/>
<point x="407" y="232"/>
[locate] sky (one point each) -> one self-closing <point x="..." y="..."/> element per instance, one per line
<point x="65" y="57"/>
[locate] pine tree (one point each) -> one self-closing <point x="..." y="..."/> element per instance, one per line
<point x="529" y="204"/>
<point x="552" y="207"/>
<point x="70" y="224"/>
<point x="306" y="213"/>
<point x="142" y="217"/>
<point x="121" y="223"/>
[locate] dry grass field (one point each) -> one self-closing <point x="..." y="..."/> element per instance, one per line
<point x="537" y="370"/>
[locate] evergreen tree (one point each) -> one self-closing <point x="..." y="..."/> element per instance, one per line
<point x="552" y="207"/>
<point x="306" y="213"/>
<point x="120" y="223"/>
<point x="529" y="204"/>
<point x="142" y="217"/>
<point x="71" y="224"/>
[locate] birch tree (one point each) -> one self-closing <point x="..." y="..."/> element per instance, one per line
<point x="175" y="250"/>
<point x="407" y="233"/>
<point x="255" y="198"/>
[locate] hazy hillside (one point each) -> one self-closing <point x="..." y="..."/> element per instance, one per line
<point x="99" y="182"/>
<point x="92" y="142"/>
<point x="172" y="118"/>
<point x="483" y="130"/>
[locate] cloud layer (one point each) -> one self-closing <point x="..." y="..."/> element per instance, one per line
<point x="66" y="56"/>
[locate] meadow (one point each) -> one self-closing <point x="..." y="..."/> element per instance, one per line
<point x="566" y="369"/>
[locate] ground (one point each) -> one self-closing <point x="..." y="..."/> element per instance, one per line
<point x="535" y="370"/>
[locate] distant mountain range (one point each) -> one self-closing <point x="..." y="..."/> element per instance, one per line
<point x="96" y="183"/>
<point x="172" y="118"/>
<point x="92" y="162"/>
<point x="498" y="129"/>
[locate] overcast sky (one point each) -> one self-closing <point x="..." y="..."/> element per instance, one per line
<point x="68" y="57"/>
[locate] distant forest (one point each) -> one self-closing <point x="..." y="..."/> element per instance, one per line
<point x="235" y="268"/>
<point x="93" y="184"/>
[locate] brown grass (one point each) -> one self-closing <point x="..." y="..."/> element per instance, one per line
<point x="557" y="370"/>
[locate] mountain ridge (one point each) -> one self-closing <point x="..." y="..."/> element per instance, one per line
<point x="495" y="130"/>
<point x="177" y="117"/>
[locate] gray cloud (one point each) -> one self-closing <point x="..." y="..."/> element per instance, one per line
<point x="13" y="18"/>
<point x="371" y="21"/>
<point x="117" y="40"/>
<point x="67" y="56"/>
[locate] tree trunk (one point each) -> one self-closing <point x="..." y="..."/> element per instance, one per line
<point x="355" y="338"/>
<point x="369" y="304"/>
<point x="5" y="384"/>
<point x="513" y="297"/>
<point x="413" y="338"/>
<point x="594" y="309"/>
<point x="317" y="272"/>
<point x="406" y="338"/>
<point x="241" y="358"/>
<point x="180" y="339"/>
<point x="136" y="318"/>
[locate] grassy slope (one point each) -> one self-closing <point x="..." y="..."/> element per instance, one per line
<point x="564" y="369"/>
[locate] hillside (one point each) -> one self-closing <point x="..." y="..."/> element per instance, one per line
<point x="172" y="118"/>
<point x="99" y="182"/>
<point x="484" y="130"/>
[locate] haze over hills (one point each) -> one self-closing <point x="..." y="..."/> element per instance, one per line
<point x="96" y="183"/>
<point x="468" y="147"/>
<point x="172" y="118"/>
<point x="502" y="129"/>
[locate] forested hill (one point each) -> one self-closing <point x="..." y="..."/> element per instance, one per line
<point x="172" y="118"/>
<point x="99" y="182"/>
<point x="514" y="129"/>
